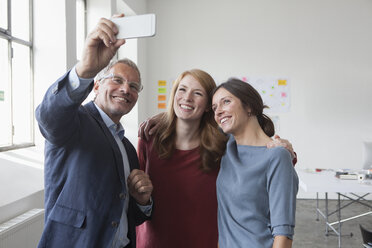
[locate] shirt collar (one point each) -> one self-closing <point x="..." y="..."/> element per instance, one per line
<point x="116" y="129"/>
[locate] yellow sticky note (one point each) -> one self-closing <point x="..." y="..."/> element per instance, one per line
<point x="282" y="82"/>
<point x="162" y="90"/>
<point x="161" y="97"/>
<point x="162" y="83"/>
<point x="161" y="105"/>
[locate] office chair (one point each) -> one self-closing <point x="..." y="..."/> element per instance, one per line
<point x="367" y="236"/>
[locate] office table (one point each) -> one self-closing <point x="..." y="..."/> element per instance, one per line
<point x="326" y="182"/>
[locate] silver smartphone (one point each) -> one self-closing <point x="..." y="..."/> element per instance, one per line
<point x="135" y="26"/>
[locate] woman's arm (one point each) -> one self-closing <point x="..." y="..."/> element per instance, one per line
<point x="282" y="242"/>
<point x="282" y="187"/>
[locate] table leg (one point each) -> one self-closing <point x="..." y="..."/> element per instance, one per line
<point x="339" y="220"/>
<point x="317" y="206"/>
<point x="326" y="213"/>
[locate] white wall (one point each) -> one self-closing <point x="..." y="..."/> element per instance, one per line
<point x="324" y="47"/>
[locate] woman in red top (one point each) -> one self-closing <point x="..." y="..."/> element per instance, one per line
<point x="182" y="159"/>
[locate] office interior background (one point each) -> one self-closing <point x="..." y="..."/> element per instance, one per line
<point x="323" y="48"/>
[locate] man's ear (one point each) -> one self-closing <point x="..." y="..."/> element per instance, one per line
<point x="96" y="86"/>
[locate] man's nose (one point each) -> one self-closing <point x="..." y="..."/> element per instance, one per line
<point x="125" y="87"/>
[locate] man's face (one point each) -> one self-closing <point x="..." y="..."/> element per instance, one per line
<point x="117" y="99"/>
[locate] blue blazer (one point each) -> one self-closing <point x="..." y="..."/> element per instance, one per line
<point x="84" y="176"/>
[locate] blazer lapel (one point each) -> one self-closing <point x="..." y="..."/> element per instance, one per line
<point x="131" y="153"/>
<point x="91" y="108"/>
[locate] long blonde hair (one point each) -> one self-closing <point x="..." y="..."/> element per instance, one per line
<point x="212" y="140"/>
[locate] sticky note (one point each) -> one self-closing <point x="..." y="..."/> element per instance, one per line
<point x="284" y="94"/>
<point x="161" y="105"/>
<point x="162" y="90"/>
<point x="282" y="82"/>
<point x="162" y="83"/>
<point x="161" y="97"/>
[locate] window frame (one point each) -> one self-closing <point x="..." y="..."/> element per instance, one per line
<point x="7" y="35"/>
<point x="80" y="47"/>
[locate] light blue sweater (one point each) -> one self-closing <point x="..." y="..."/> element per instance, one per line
<point x="256" y="191"/>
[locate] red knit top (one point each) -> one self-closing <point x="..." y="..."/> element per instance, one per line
<point x="185" y="203"/>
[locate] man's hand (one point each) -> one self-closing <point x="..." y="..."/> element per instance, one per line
<point x="99" y="48"/>
<point x="140" y="187"/>
<point x="282" y="142"/>
<point x="149" y="126"/>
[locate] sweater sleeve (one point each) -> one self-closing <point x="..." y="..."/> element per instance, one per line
<point x="282" y="186"/>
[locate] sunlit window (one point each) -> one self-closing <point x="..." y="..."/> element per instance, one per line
<point x="80" y="27"/>
<point x="16" y="84"/>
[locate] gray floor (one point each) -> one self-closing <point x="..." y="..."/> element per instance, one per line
<point x="310" y="233"/>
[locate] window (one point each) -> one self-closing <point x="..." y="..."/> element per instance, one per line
<point x="80" y="27"/>
<point x="16" y="84"/>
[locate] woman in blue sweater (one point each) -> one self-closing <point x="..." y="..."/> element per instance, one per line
<point x="256" y="186"/>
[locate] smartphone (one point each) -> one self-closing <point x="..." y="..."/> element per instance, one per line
<point x="135" y="26"/>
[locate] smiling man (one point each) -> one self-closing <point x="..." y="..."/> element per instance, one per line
<point x="117" y="88"/>
<point x="95" y="194"/>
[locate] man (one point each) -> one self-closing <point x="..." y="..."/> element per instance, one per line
<point x="94" y="193"/>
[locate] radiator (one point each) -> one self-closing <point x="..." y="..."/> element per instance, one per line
<point x="23" y="231"/>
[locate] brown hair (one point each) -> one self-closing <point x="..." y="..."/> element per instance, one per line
<point x="212" y="140"/>
<point x="250" y="98"/>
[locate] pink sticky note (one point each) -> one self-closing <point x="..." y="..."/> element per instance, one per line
<point x="284" y="94"/>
